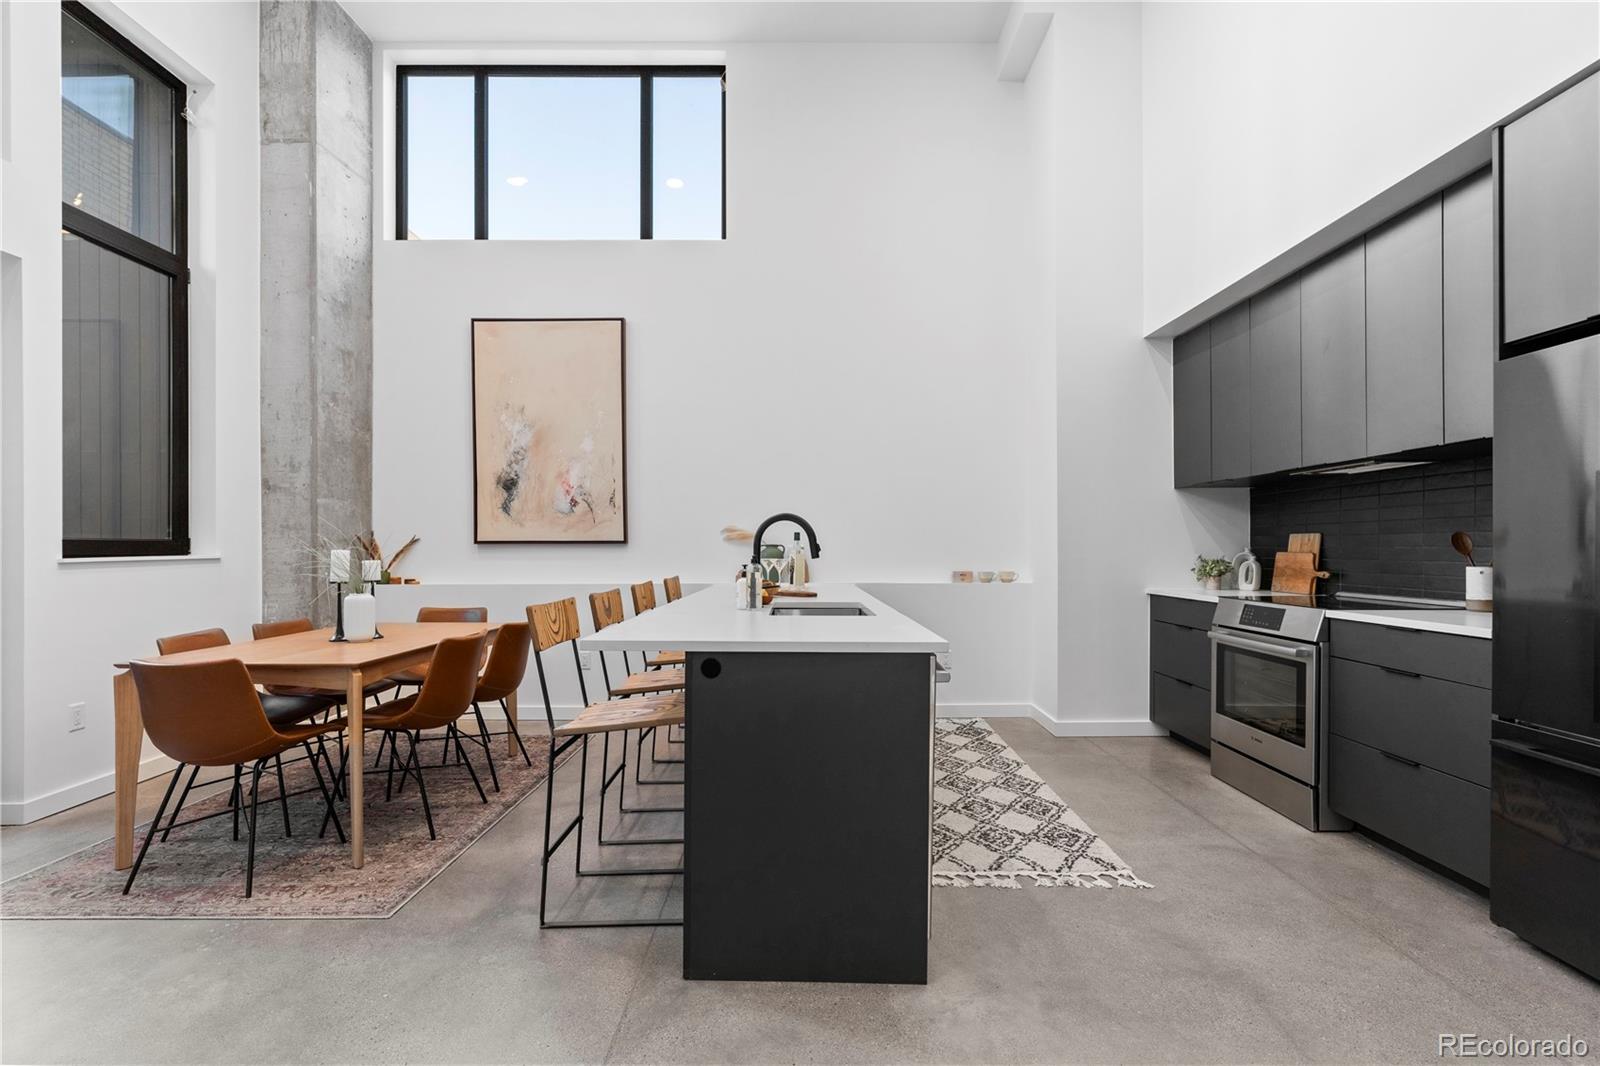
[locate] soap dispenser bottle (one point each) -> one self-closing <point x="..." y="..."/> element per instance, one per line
<point x="799" y="564"/>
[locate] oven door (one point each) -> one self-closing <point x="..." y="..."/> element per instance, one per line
<point x="1264" y="700"/>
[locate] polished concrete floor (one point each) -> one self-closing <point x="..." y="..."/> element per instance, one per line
<point x="1259" y="943"/>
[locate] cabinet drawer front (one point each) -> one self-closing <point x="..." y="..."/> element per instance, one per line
<point x="1462" y="659"/>
<point x="1437" y="723"/>
<point x="1433" y="814"/>
<point x="1181" y="653"/>
<point x="1196" y="614"/>
<point x="1181" y="708"/>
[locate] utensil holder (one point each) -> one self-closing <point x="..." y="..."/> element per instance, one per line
<point x="1480" y="588"/>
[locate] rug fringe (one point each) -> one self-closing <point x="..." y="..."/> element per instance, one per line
<point x="1008" y="879"/>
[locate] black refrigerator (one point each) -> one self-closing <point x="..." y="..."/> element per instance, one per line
<point x="1544" y="830"/>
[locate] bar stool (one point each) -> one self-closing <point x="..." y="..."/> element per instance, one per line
<point x="606" y="609"/>
<point x="209" y="714"/>
<point x="673" y="588"/>
<point x="554" y="624"/>
<point x="644" y="599"/>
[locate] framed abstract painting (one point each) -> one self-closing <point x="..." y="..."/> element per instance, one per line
<point x="549" y="445"/>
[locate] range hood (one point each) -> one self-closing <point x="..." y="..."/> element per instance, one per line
<point x="1367" y="466"/>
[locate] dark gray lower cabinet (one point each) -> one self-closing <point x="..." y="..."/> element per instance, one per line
<point x="1191" y="408"/>
<point x="1333" y="357"/>
<point x="1405" y="332"/>
<point x="1408" y="756"/>
<point x="1230" y="394"/>
<point x="1180" y="667"/>
<point x="1440" y="817"/>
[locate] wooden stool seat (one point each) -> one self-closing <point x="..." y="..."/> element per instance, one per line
<point x="665" y="658"/>
<point x="614" y="715"/>
<point x="650" y="681"/>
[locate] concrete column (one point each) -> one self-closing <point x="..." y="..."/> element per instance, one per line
<point x="316" y="293"/>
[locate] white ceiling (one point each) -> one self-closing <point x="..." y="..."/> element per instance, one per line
<point x="669" y="21"/>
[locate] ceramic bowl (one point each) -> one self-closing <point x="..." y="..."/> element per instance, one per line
<point x="986" y="576"/>
<point x="1008" y="576"/>
<point x="961" y="577"/>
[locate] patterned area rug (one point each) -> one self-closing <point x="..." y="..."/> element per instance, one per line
<point x="996" y="821"/>
<point x="198" y="872"/>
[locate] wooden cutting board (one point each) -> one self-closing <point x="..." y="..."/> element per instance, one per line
<point x="1307" y="542"/>
<point x="784" y="590"/>
<point x="1296" y="573"/>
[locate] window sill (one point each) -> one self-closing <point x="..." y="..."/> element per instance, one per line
<point x="120" y="560"/>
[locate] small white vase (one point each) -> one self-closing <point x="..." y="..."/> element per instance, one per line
<point x="1480" y="588"/>
<point x="360" y="616"/>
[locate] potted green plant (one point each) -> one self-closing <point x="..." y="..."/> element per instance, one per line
<point x="1210" y="572"/>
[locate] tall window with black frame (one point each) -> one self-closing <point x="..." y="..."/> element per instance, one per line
<point x="124" y="305"/>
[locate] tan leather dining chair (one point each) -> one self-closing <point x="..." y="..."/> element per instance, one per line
<point x="209" y="714"/>
<point x="281" y="709"/>
<point x="416" y="675"/>
<point x="446" y="695"/>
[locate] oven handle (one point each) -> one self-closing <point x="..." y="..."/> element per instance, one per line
<point x="1282" y="651"/>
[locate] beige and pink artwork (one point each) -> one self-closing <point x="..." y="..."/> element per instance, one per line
<point x="548" y="440"/>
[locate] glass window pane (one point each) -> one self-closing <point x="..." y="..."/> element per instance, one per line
<point x="439" y="158"/>
<point x="116" y="347"/>
<point x="564" y="158"/>
<point x="117" y="146"/>
<point x="687" y="169"/>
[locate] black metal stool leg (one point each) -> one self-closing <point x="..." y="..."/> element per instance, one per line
<point x="422" y="786"/>
<point x="483" y="731"/>
<point x="283" y="797"/>
<point x="250" y="857"/>
<point x="179" y="808"/>
<point x="516" y="734"/>
<point x="461" y="756"/>
<point x="154" y="823"/>
<point x="327" y="797"/>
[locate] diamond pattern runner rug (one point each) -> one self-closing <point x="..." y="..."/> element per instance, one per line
<point x="995" y="821"/>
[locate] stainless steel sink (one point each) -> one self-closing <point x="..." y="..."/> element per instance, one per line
<point x="821" y="610"/>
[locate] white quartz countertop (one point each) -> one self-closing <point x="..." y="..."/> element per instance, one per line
<point x="708" y="621"/>
<point x="1461" y="623"/>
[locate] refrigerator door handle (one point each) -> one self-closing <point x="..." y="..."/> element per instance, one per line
<point x="1528" y="750"/>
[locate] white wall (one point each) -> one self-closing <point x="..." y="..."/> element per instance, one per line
<point x="874" y="229"/>
<point x="79" y="618"/>
<point x="1265" y="122"/>
<point x="877" y="226"/>
<point x="1120" y="526"/>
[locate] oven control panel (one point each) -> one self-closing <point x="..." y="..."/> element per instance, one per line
<point x="1257" y="616"/>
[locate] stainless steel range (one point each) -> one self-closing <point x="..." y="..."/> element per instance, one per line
<point x="1268" y="691"/>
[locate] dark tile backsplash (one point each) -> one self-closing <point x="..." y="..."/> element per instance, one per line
<point x="1384" y="532"/>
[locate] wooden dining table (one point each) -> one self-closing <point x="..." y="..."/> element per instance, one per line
<point x="309" y="660"/>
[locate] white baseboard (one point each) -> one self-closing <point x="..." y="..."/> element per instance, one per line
<point x="31" y="810"/>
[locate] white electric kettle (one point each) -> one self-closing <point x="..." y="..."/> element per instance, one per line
<point x="1249" y="571"/>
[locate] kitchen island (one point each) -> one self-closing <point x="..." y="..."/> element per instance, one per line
<point x="808" y="778"/>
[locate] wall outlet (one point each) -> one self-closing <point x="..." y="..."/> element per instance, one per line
<point x="74" y="717"/>
<point x="586" y="660"/>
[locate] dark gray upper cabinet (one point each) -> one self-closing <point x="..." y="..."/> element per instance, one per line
<point x="1405" y="332"/>
<point x="1191" y="408"/>
<point x="1469" y="348"/>
<point x="1230" y="394"/>
<point x="1333" y="358"/>
<point x="1550" y="174"/>
<point x="1275" y="378"/>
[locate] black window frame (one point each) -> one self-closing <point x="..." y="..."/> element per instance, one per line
<point x="175" y="266"/>
<point x="480" y="135"/>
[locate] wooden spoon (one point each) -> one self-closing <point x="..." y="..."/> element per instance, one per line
<point x="1463" y="544"/>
